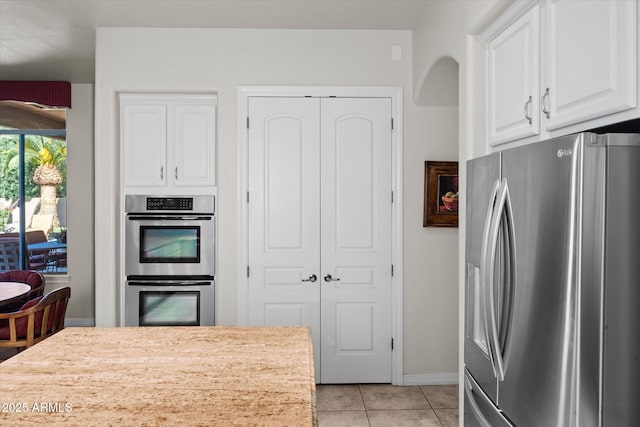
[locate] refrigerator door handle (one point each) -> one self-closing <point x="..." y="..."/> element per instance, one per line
<point x="484" y="265"/>
<point x="503" y="205"/>
<point x="510" y="285"/>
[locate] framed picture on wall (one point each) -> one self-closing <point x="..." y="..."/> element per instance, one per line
<point x="440" y="194"/>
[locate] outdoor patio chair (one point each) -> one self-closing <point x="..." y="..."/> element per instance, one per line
<point x="41" y="259"/>
<point x="9" y="254"/>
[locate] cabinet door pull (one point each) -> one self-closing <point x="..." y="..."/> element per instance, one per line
<point x="161" y="172"/>
<point x="176" y="173"/>
<point x="542" y="103"/>
<point x="526" y="109"/>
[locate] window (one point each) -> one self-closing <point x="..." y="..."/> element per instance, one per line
<point x="33" y="188"/>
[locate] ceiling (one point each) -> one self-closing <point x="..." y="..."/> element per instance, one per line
<point x="55" y="39"/>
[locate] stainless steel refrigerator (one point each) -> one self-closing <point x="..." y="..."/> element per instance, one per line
<point x="552" y="324"/>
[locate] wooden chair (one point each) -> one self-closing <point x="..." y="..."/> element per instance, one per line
<point x="29" y="277"/>
<point x="36" y="320"/>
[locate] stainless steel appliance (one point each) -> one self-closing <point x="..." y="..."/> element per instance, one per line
<point x="179" y="302"/>
<point x="169" y="236"/>
<point x="553" y="284"/>
<point x="169" y="260"/>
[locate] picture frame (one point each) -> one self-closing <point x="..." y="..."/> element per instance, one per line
<point x="440" y="194"/>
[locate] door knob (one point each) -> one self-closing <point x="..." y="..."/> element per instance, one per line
<point x="311" y="278"/>
<point x="328" y="278"/>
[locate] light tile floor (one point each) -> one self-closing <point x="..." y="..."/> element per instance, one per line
<point x="379" y="405"/>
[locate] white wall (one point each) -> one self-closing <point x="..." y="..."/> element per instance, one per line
<point x="430" y="254"/>
<point x="79" y="207"/>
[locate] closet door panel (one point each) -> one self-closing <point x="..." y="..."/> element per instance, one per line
<point x="284" y="214"/>
<point x="356" y="240"/>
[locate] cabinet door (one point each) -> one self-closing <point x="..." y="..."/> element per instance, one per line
<point x="590" y="60"/>
<point x="144" y="144"/>
<point x="513" y="80"/>
<point x="194" y="136"/>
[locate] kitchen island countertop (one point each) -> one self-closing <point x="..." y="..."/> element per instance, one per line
<point x="162" y="376"/>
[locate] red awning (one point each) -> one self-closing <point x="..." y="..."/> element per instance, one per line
<point x="46" y="93"/>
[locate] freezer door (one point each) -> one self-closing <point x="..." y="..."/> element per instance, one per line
<point x="479" y="410"/>
<point x="483" y="177"/>
<point x="539" y="359"/>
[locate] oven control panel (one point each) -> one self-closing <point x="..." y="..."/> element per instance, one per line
<point x="170" y="203"/>
<point x="161" y="205"/>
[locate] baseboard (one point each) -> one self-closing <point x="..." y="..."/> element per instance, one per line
<point x="440" y="378"/>
<point x="79" y="321"/>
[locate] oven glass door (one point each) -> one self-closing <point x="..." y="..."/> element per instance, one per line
<point x="183" y="302"/>
<point x="169" y="308"/>
<point x="169" y="244"/>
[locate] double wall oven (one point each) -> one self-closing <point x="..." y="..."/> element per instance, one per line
<point x="169" y="260"/>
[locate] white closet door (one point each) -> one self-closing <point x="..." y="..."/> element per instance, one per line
<point x="356" y="240"/>
<point x="284" y="214"/>
<point x="320" y="204"/>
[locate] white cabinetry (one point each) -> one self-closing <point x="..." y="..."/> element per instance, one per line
<point x="555" y="63"/>
<point x="168" y="141"/>
<point x="591" y="53"/>
<point x="513" y="79"/>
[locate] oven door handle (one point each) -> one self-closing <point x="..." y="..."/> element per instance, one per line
<point x="168" y="218"/>
<point x="167" y="283"/>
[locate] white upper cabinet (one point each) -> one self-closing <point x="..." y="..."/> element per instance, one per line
<point x="513" y="79"/>
<point x="194" y="131"/>
<point x="144" y="143"/>
<point x="591" y="53"/>
<point x="168" y="141"/>
<point x="553" y="64"/>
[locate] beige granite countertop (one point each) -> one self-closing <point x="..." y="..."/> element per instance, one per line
<point x="206" y="376"/>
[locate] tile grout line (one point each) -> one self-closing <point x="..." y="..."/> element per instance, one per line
<point x="438" y="417"/>
<point x="431" y="406"/>
<point x="364" y="405"/>
<point x="426" y="398"/>
<point x="435" y="410"/>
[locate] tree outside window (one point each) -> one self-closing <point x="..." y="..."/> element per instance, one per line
<point x="44" y="185"/>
